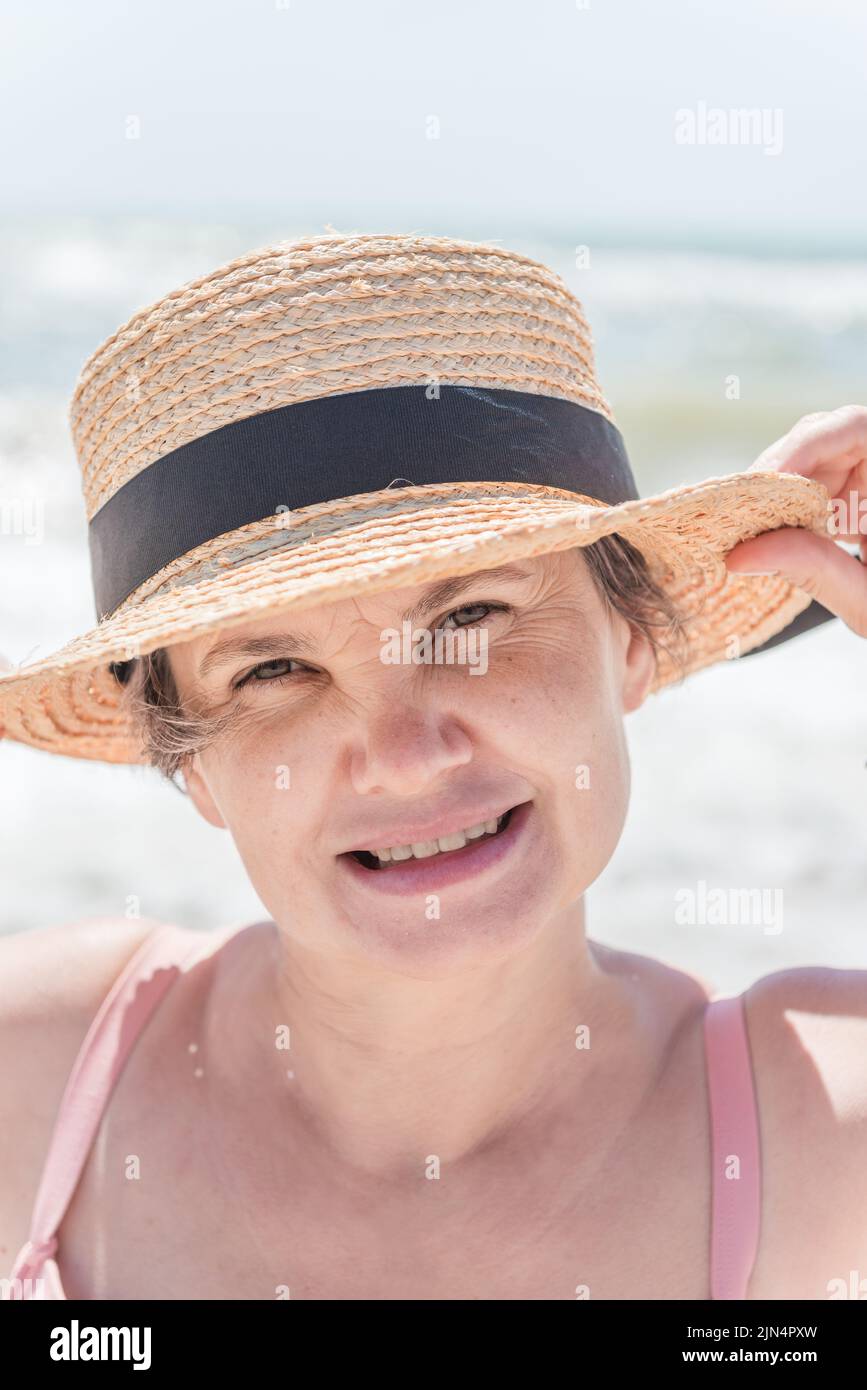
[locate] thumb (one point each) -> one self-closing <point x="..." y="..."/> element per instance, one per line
<point x="816" y="564"/>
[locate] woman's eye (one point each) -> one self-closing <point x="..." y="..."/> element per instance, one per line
<point x="263" y="673"/>
<point x="270" y="672"/>
<point x="479" y="609"/>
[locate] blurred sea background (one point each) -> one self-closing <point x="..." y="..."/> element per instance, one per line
<point x="754" y="774"/>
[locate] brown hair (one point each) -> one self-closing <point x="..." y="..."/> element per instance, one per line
<point x="172" y="734"/>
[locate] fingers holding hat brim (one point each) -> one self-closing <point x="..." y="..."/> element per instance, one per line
<point x="818" y="565"/>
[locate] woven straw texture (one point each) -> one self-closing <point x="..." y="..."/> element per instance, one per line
<point x="336" y="313"/>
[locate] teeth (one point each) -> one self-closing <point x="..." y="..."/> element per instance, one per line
<point x="425" y="848"/>
<point x="456" y="841"/>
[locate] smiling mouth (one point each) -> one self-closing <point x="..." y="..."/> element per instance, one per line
<point x="370" y="861"/>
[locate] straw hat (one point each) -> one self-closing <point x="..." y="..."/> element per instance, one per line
<point x="346" y="414"/>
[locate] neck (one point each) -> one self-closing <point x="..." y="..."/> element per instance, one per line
<point x="384" y="1071"/>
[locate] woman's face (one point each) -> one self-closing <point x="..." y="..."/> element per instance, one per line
<point x="351" y="746"/>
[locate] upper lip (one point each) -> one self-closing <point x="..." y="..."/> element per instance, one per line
<point x="417" y="832"/>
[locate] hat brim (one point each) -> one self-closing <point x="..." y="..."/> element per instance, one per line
<point x="71" y="703"/>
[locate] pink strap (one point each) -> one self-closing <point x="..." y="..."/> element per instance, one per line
<point x="108" y="1042"/>
<point x="736" y="1199"/>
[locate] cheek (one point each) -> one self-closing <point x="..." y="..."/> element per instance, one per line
<point x="563" y="693"/>
<point x="255" y="781"/>
<point x="560" y="712"/>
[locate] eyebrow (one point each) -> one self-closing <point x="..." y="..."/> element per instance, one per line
<point x="436" y="596"/>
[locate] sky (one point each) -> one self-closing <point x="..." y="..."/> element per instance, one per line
<point x="560" y="115"/>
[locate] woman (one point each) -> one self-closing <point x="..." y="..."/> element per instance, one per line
<point x="404" y="696"/>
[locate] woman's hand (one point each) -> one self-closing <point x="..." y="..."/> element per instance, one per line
<point x="5" y="665"/>
<point x="830" y="446"/>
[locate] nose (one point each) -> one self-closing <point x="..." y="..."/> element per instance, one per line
<point x="404" y="748"/>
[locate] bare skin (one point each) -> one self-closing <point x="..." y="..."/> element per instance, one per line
<point x="536" y="1217"/>
<point x="447" y="1043"/>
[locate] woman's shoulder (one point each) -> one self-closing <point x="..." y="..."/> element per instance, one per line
<point x="54" y="979"/>
<point x="808" y="1034"/>
<point x="56" y="974"/>
<point x="810" y="1024"/>
<point x="52" y="982"/>
<point x="807" y="1031"/>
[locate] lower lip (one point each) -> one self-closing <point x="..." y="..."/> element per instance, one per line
<point x="440" y="870"/>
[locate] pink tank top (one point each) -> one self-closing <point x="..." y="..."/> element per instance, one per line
<point x="735" y="1149"/>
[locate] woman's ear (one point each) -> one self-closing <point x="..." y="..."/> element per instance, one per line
<point x="639" y="669"/>
<point x="200" y="793"/>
